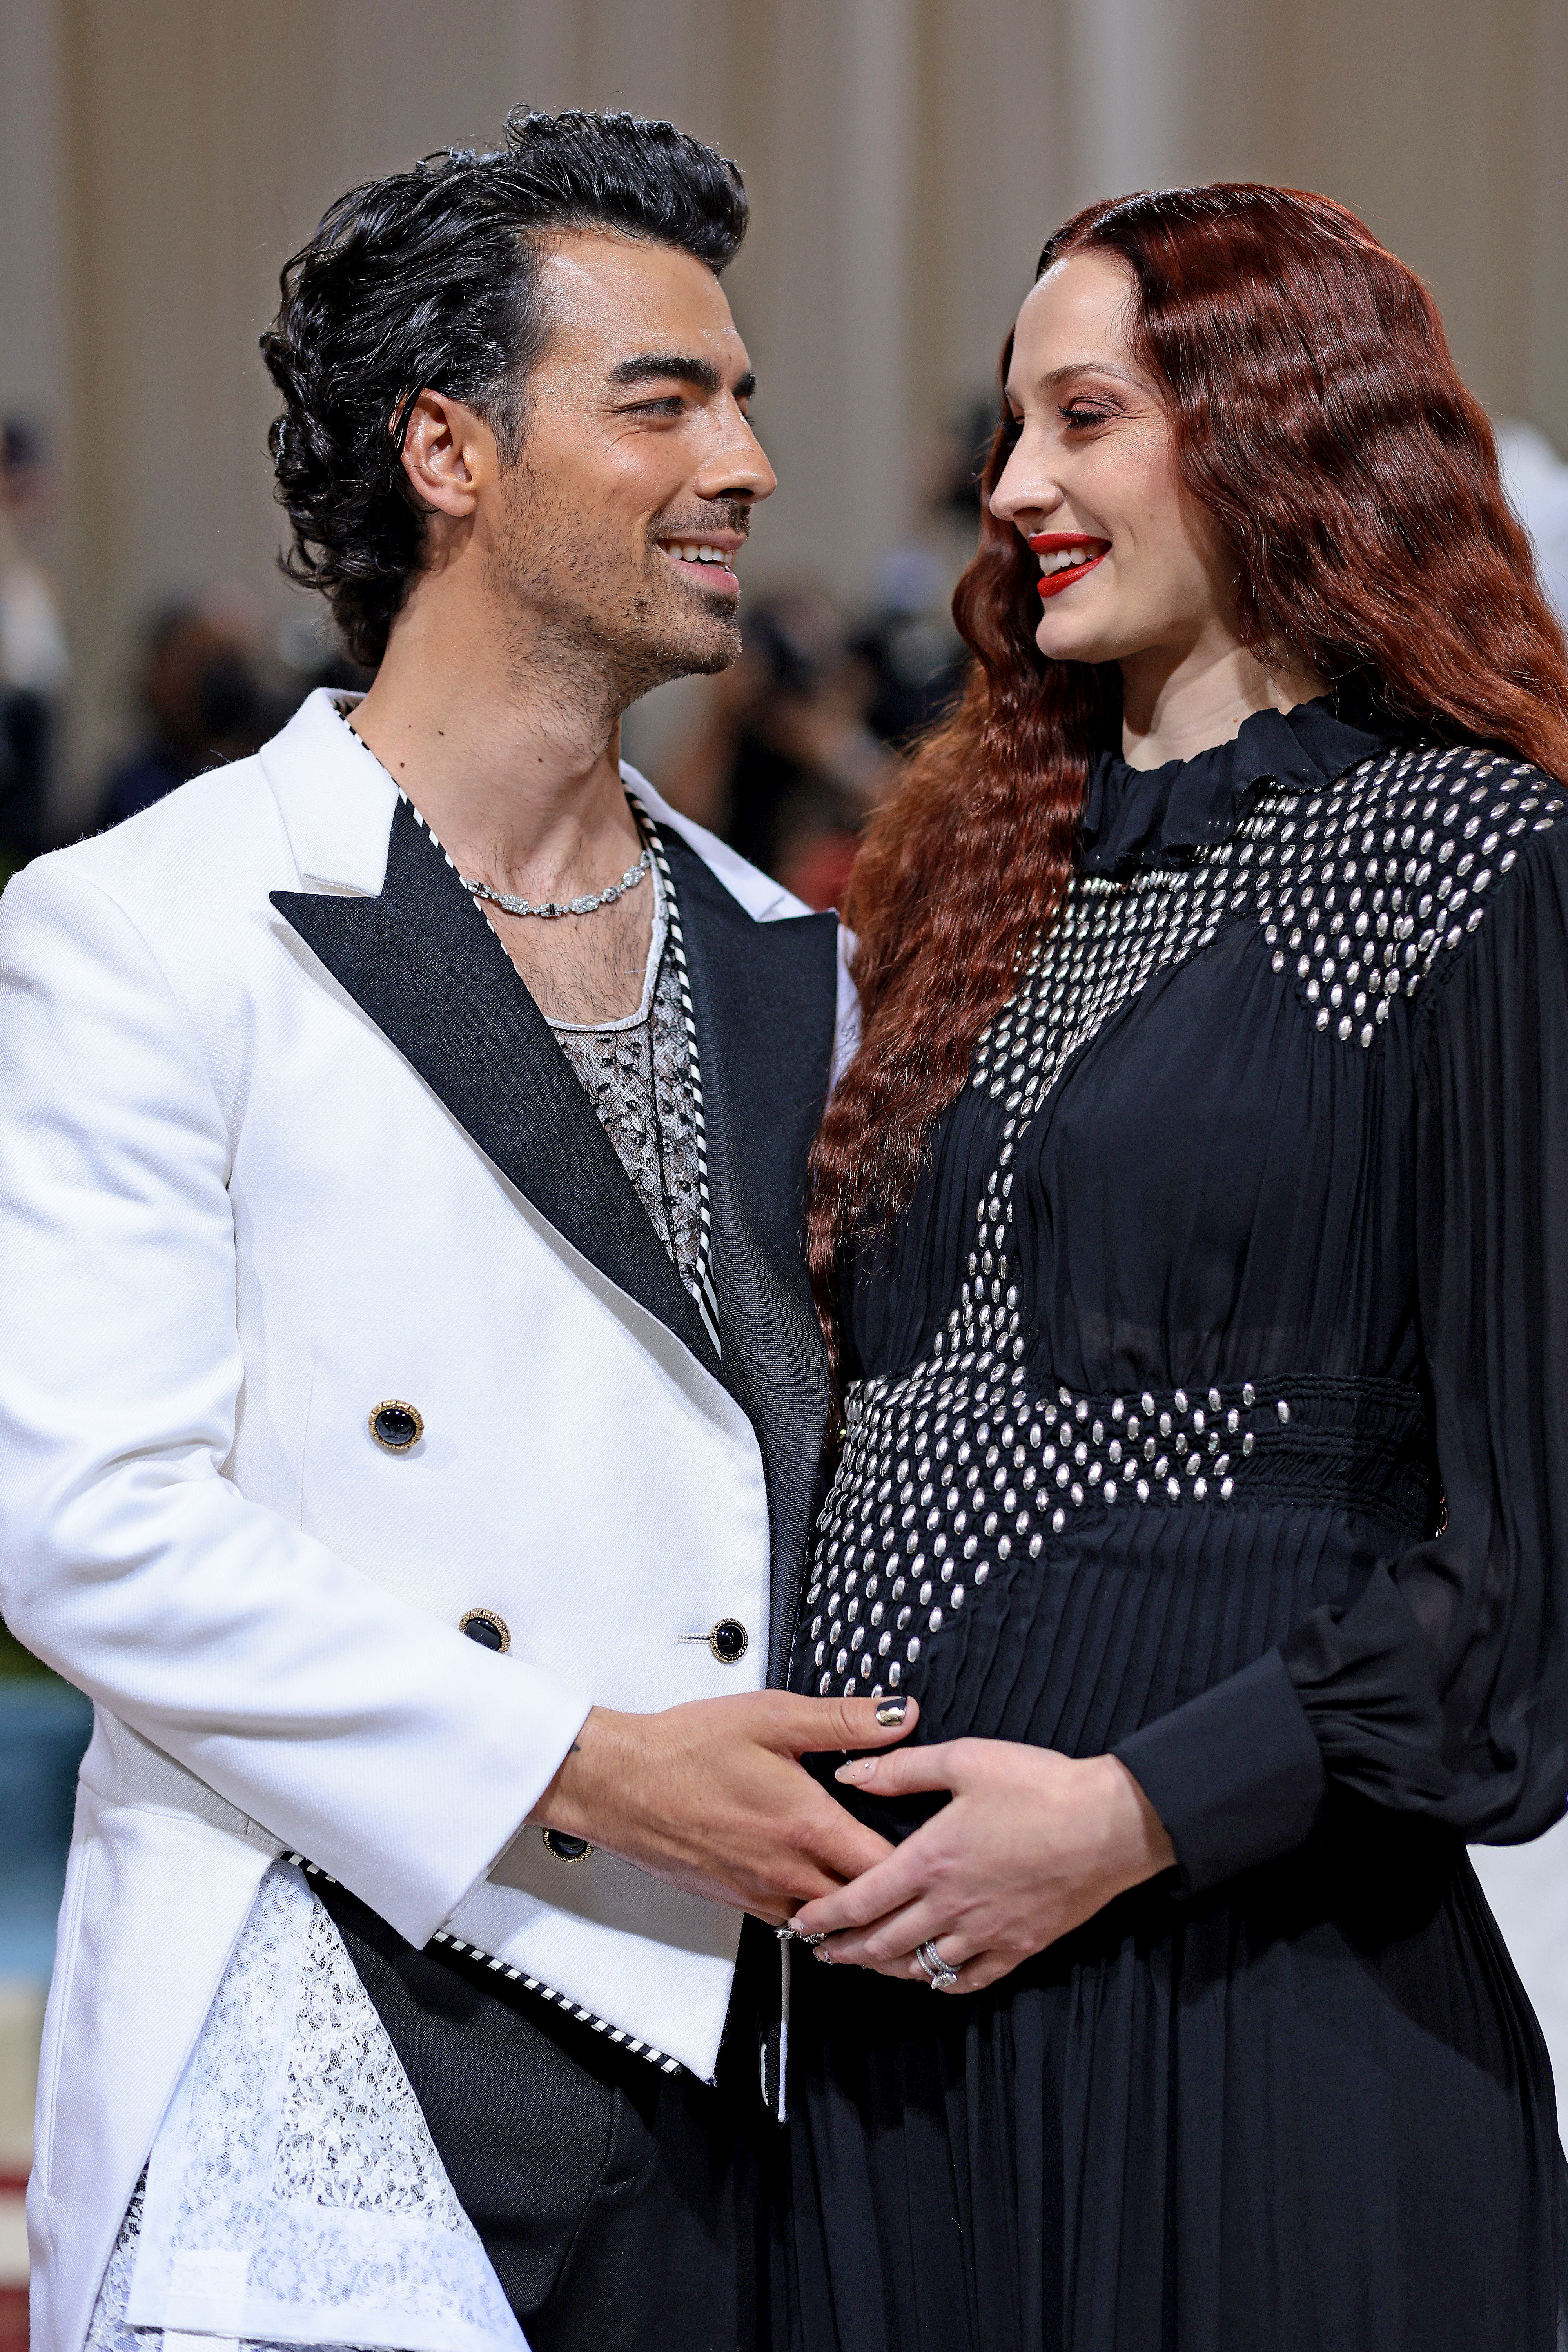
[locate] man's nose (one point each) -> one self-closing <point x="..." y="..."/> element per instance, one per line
<point x="737" y="468"/>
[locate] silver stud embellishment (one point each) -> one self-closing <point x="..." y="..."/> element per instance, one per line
<point x="968" y="1459"/>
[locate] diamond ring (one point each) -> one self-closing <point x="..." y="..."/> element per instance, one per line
<point x="942" y="1978"/>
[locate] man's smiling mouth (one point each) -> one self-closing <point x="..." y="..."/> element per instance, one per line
<point x="710" y="562"/>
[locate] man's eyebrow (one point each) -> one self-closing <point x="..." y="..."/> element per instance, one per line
<point x="684" y="367"/>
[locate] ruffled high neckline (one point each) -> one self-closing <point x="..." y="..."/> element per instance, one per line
<point x="1140" y="817"/>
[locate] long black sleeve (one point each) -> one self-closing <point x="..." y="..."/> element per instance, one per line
<point x="1443" y="1687"/>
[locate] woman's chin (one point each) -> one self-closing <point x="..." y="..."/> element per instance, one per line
<point x="1062" y="638"/>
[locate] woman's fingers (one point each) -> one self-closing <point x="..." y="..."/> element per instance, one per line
<point x="891" y="1940"/>
<point x="905" y="1769"/>
<point x="886" y="1886"/>
<point x="888" y="1940"/>
<point x="974" y="1970"/>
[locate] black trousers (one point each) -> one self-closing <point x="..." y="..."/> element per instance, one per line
<point x="623" y="2210"/>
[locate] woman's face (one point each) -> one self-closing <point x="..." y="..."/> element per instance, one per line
<point x="1130" y="567"/>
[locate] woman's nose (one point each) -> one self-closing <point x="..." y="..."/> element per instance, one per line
<point x="1023" y="491"/>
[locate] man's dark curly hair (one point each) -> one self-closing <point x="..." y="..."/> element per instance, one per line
<point x="429" y="280"/>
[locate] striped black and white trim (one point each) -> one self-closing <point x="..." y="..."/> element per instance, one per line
<point x="706" y="1296"/>
<point x="455" y="1944"/>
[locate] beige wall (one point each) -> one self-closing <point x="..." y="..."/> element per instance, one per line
<point x="160" y="158"/>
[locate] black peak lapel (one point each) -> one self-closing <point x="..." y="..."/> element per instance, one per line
<point x="425" y="967"/>
<point x="764" y="998"/>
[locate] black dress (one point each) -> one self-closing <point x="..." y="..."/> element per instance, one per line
<point x="1210" y="1404"/>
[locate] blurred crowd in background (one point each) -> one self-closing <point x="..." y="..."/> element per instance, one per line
<point x="785" y="755"/>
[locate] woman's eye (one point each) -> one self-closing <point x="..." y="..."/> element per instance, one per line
<point x="1079" y="419"/>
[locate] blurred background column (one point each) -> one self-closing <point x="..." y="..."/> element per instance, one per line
<point x="1129" y="68"/>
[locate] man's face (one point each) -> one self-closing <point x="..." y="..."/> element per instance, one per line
<point x="615" y="532"/>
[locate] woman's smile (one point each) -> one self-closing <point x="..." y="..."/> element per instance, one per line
<point x="1066" y="557"/>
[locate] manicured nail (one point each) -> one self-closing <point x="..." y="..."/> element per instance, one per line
<point x="820" y="1952"/>
<point x="859" y="1768"/>
<point x="891" y="1711"/>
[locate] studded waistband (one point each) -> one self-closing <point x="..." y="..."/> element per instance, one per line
<point x="960" y="1464"/>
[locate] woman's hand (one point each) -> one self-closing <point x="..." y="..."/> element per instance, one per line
<point x="1032" y="1844"/>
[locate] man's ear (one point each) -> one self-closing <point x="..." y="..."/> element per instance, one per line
<point x="448" y="453"/>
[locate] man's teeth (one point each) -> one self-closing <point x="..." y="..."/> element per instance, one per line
<point x="692" y="553"/>
<point x="1063" y="559"/>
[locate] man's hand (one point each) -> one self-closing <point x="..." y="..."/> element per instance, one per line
<point x="1032" y="1844"/>
<point x="713" y="1796"/>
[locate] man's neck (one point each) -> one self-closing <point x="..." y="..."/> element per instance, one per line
<point x="511" y="756"/>
<point x="510" y="752"/>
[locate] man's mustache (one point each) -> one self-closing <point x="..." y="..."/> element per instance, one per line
<point x="735" y="516"/>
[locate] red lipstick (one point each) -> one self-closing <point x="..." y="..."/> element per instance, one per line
<point x="1051" y="542"/>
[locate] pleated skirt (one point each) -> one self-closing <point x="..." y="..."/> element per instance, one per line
<point x="1311" y="2111"/>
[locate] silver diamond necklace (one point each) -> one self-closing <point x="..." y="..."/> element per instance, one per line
<point x="586" y="905"/>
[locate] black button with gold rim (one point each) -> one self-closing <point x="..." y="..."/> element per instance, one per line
<point x="729" y="1640"/>
<point x="396" y="1426"/>
<point x="484" y="1627"/>
<point x="564" y="1848"/>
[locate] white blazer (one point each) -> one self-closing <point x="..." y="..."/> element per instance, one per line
<point x="268" y="1159"/>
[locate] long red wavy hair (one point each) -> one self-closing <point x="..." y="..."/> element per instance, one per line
<point x="1315" y="410"/>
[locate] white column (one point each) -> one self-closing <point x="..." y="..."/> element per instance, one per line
<point x="875" y="131"/>
<point x="35" y="321"/>
<point x="827" y="297"/>
<point x="32" y="198"/>
<point x="1127" y="68"/>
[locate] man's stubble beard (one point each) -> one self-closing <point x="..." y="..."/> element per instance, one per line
<point x="578" y="625"/>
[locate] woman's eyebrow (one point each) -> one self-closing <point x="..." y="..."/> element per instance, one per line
<point x="1087" y="367"/>
<point x="1058" y="376"/>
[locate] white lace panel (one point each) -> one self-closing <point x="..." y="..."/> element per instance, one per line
<point x="294" y="2195"/>
<point x="110" y="2331"/>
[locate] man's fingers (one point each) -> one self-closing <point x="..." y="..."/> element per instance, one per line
<point x="895" y="1776"/>
<point x="811" y="1726"/>
<point x="839" y="1844"/>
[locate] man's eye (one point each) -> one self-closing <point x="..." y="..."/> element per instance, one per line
<point x="671" y="405"/>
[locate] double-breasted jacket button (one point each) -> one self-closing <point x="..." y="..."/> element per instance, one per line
<point x="396" y="1426"/>
<point x="484" y="1626"/>
<point x="564" y="1848"/>
<point x="729" y="1640"/>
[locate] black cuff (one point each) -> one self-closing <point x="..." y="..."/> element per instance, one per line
<point x="1236" y="1775"/>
